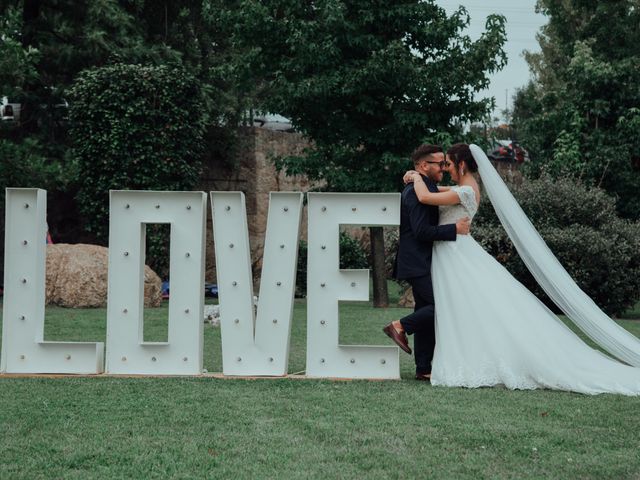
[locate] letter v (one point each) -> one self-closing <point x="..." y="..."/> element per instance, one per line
<point x="250" y="345"/>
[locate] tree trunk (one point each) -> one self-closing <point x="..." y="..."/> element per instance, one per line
<point x="380" y="294"/>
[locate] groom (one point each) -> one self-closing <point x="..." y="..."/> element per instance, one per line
<point x="418" y="230"/>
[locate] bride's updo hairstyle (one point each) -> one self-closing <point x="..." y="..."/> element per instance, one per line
<point x="460" y="152"/>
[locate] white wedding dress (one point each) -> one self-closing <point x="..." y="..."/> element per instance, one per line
<point x="491" y="330"/>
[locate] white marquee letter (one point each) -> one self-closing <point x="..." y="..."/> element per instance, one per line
<point x="326" y="284"/>
<point x="23" y="347"/>
<point x="127" y="352"/>
<point x="253" y="346"/>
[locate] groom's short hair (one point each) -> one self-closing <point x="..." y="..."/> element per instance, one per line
<point x="425" y="150"/>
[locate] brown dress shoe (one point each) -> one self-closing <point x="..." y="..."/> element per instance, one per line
<point x="423" y="377"/>
<point x="399" y="338"/>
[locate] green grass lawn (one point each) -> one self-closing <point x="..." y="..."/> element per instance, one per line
<point x="633" y="313"/>
<point x="284" y="428"/>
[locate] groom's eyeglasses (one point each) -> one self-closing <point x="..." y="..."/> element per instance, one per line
<point x="443" y="164"/>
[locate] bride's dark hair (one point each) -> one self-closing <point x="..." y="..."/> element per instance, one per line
<point x="460" y="152"/>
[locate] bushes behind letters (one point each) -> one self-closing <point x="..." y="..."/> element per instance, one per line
<point x="598" y="249"/>
<point x="352" y="256"/>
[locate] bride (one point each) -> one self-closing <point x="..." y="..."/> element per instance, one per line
<point x="490" y="330"/>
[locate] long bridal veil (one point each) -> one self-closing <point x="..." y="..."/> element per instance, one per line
<point x="548" y="271"/>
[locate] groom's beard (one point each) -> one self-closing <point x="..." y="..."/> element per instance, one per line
<point x="435" y="178"/>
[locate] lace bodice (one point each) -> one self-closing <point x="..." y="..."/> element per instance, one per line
<point x="466" y="208"/>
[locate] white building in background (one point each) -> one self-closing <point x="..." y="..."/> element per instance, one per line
<point x="272" y="121"/>
<point x="9" y="112"/>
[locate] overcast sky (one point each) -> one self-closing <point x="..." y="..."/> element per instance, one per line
<point x="522" y="25"/>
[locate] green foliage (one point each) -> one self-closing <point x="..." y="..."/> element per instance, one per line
<point x="22" y="165"/>
<point x="352" y="256"/>
<point x="134" y="127"/>
<point x="68" y="37"/>
<point x="600" y="251"/>
<point x="301" y="269"/>
<point x="366" y="81"/>
<point x="17" y="63"/>
<point x="45" y="44"/>
<point x="580" y="116"/>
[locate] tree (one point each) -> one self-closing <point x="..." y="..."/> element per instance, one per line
<point x="17" y="63"/>
<point x="580" y="115"/>
<point x="367" y="81"/>
<point x="47" y="43"/>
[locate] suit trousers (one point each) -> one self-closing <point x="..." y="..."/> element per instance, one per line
<point x="421" y="323"/>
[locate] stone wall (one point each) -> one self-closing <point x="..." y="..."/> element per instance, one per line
<point x="254" y="174"/>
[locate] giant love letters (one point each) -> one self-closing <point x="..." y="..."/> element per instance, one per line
<point x="252" y="344"/>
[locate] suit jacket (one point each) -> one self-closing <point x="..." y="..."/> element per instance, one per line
<point x="418" y="230"/>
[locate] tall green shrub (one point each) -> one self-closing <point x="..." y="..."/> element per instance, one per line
<point x="134" y="127"/>
<point x="599" y="250"/>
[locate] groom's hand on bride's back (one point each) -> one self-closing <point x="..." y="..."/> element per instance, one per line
<point x="462" y="226"/>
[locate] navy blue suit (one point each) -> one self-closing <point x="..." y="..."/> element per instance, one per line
<point x="418" y="230"/>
